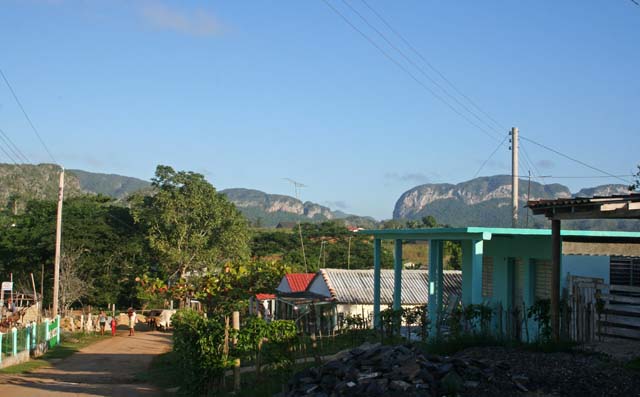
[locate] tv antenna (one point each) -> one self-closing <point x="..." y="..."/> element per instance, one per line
<point x="297" y="186"/>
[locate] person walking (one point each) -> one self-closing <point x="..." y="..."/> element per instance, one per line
<point x="102" y="319"/>
<point x="132" y="321"/>
<point x="114" y="324"/>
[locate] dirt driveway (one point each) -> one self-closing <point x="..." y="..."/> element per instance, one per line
<point x="106" y="368"/>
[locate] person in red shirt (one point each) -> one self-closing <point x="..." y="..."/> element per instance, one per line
<point x="113" y="326"/>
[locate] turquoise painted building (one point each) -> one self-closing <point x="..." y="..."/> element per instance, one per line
<point x="505" y="268"/>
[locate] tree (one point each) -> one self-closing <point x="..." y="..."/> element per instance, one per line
<point x="73" y="286"/>
<point x="189" y="224"/>
<point x="636" y="183"/>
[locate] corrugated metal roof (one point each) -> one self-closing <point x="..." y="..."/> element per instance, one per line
<point x="263" y="297"/>
<point x="299" y="282"/>
<point x="356" y="286"/>
<point x="533" y="204"/>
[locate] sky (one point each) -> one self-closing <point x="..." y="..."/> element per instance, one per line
<point x="251" y="92"/>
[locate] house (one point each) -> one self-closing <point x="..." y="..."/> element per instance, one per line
<point x="351" y="291"/>
<point x="320" y="301"/>
<point x="286" y="225"/>
<point x="294" y="282"/>
<point x="507" y="269"/>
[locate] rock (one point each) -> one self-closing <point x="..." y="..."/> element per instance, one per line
<point x="407" y="371"/>
<point x="470" y="384"/>
<point x="503" y="365"/>
<point x="520" y="386"/>
<point x="310" y="389"/>
<point x="425" y="376"/>
<point x="399" y="385"/>
<point x="452" y="382"/>
<point x="369" y="375"/>
<point x="444" y="369"/>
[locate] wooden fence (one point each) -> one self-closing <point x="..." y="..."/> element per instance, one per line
<point x="598" y="310"/>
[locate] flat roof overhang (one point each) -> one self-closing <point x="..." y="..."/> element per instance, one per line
<point x="487" y="233"/>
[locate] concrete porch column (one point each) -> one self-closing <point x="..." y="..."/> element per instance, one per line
<point x="397" y="275"/>
<point x="376" y="283"/>
<point x="472" y="252"/>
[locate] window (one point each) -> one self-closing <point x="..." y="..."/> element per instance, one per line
<point x="487" y="276"/>
<point x="543" y="278"/>
<point x="625" y="271"/>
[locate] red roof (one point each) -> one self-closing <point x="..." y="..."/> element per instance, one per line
<point x="298" y="282"/>
<point x="264" y="297"/>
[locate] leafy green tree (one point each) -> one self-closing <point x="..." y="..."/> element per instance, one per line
<point x="189" y="224"/>
<point x="112" y="247"/>
<point x="636" y="184"/>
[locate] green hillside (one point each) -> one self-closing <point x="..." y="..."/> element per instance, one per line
<point x="112" y="185"/>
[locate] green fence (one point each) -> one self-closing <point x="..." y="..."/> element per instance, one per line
<point x="29" y="338"/>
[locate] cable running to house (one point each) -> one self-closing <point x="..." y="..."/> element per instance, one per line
<point x="491" y="155"/>
<point x="426" y="61"/>
<point x="24" y="112"/>
<point x="418" y="67"/>
<point x="574" y="159"/>
<point x="407" y="71"/>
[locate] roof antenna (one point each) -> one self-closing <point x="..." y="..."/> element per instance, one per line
<point x="296" y="187"/>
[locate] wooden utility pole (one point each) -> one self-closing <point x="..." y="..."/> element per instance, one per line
<point x="556" y="257"/>
<point x="514" y="177"/>
<point x="56" y="268"/>
<point x="349" y="254"/>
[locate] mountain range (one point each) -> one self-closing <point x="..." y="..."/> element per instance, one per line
<point x="484" y="201"/>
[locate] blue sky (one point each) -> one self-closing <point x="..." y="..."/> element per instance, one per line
<point x="251" y="92"/>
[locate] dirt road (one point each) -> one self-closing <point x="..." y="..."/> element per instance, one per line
<point x="106" y="368"/>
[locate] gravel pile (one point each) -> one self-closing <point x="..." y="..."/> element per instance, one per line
<point x="375" y="370"/>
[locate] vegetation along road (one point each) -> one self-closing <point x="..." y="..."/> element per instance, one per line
<point x="105" y="368"/>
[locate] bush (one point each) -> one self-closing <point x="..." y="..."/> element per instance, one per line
<point x="198" y="344"/>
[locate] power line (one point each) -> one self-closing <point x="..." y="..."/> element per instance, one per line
<point x="418" y="67"/>
<point x="12" y="146"/>
<point x="8" y="155"/>
<point x="413" y="49"/>
<point x="528" y="159"/>
<point x="574" y="159"/>
<point x="584" y="176"/>
<point x="491" y="155"/>
<point x="33" y="127"/>
<point x="635" y="2"/>
<point x="404" y="69"/>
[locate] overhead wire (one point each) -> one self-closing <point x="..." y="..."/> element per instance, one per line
<point x="12" y="146"/>
<point x="573" y="159"/>
<point x="430" y="65"/>
<point x="26" y="115"/>
<point x="491" y="155"/>
<point x="404" y="69"/>
<point x="527" y="159"/>
<point x="415" y="65"/>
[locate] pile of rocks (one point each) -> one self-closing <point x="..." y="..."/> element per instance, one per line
<point x="377" y="370"/>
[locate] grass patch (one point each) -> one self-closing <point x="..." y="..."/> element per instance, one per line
<point x="633" y="364"/>
<point x="162" y="371"/>
<point x="69" y="344"/>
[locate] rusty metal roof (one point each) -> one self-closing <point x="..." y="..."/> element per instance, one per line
<point x="583" y="200"/>
<point x="356" y="286"/>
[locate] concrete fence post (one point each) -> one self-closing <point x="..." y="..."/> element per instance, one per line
<point x="1" y="347"/>
<point x="46" y="330"/>
<point x="58" y="331"/>
<point x="14" y="337"/>
<point x="34" y="337"/>
<point x="27" y="345"/>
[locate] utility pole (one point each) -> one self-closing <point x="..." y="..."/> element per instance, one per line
<point x="296" y="186"/>
<point x="349" y="254"/>
<point x="528" y="197"/>
<point x="514" y="176"/>
<point x="56" y="268"/>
